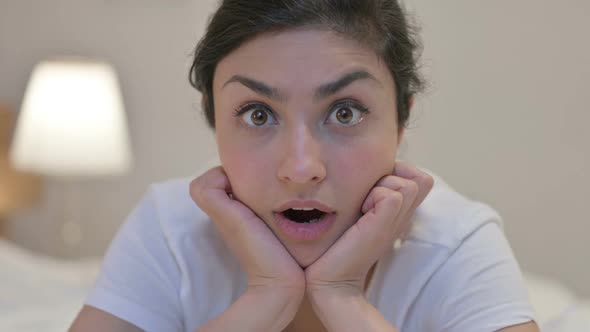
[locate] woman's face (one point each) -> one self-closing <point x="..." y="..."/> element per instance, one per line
<point x="305" y="115"/>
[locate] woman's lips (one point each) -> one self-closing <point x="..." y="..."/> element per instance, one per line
<point x="304" y="231"/>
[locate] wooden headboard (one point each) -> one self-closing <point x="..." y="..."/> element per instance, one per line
<point x="17" y="189"/>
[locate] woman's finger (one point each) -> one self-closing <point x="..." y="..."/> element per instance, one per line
<point x="212" y="193"/>
<point x="424" y="180"/>
<point x="383" y="213"/>
<point x="408" y="188"/>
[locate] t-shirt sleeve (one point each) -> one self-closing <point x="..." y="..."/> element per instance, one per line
<point x="139" y="279"/>
<point x="480" y="287"/>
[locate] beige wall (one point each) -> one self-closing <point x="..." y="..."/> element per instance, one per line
<point x="504" y="121"/>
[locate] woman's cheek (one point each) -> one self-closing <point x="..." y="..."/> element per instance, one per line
<point x="246" y="174"/>
<point x="363" y="167"/>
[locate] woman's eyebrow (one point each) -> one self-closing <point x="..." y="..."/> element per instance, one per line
<point x="258" y="87"/>
<point x="331" y="88"/>
<point x="323" y="91"/>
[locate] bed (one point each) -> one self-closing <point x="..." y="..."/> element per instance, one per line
<point x="43" y="294"/>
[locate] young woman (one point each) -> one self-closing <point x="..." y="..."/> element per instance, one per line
<point x="309" y="223"/>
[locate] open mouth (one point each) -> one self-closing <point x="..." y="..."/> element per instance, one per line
<point x="304" y="216"/>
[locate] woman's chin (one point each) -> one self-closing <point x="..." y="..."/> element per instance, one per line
<point x="306" y="254"/>
<point x="305" y="262"/>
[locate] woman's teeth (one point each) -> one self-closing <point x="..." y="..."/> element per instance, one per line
<point x="304" y="215"/>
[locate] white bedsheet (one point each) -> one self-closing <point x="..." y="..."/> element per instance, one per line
<point x="558" y="309"/>
<point x="39" y="293"/>
<point x="44" y="294"/>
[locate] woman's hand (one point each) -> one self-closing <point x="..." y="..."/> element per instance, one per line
<point x="387" y="212"/>
<point x="268" y="264"/>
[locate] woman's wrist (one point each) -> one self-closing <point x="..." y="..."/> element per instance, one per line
<point x="258" y="309"/>
<point x="275" y="306"/>
<point x="348" y="310"/>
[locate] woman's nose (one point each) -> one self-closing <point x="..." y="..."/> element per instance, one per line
<point x="301" y="160"/>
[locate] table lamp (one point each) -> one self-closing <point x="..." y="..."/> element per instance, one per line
<point x="72" y="124"/>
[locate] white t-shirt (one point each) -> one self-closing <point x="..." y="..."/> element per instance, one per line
<point x="168" y="269"/>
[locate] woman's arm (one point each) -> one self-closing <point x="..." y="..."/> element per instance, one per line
<point x="91" y="319"/>
<point x="255" y="310"/>
<point x="344" y="311"/>
<point x="341" y="312"/>
<point x="526" y="327"/>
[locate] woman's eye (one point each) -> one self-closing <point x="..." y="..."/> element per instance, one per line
<point x="256" y="115"/>
<point x="347" y="113"/>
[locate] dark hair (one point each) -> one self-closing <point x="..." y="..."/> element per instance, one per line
<point x="380" y="24"/>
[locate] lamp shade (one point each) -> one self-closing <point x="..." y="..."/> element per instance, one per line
<point x="72" y="121"/>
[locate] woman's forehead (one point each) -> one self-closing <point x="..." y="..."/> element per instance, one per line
<point x="311" y="57"/>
